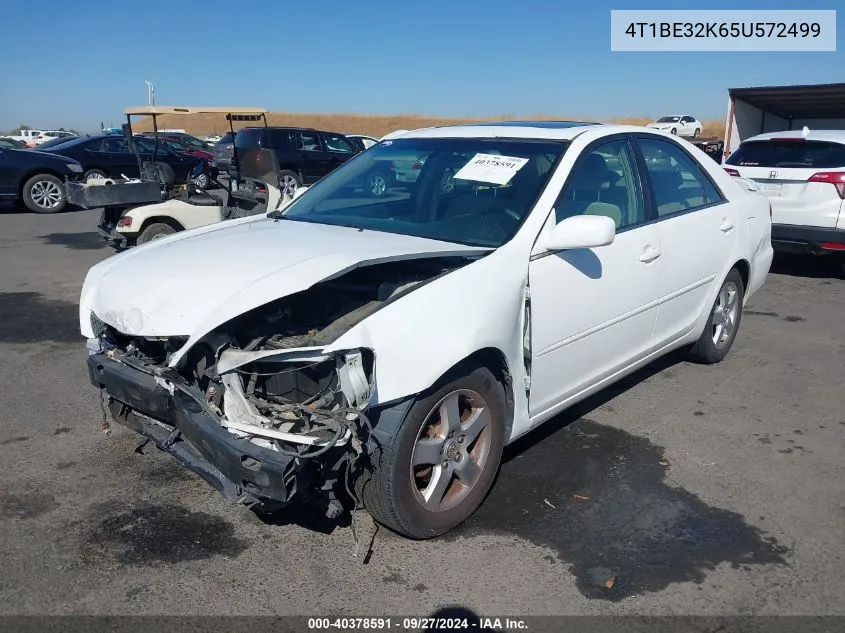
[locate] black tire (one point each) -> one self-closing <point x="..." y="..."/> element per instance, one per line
<point x="99" y="173"/>
<point x="388" y="489"/>
<point x="674" y="131"/>
<point x="696" y="133"/>
<point x="154" y="231"/>
<point x="705" y="350"/>
<point x="34" y="191"/>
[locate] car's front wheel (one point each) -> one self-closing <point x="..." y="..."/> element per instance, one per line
<point x="696" y="133"/>
<point x="44" y="193"/>
<point x="440" y="463"/>
<point x="723" y="323"/>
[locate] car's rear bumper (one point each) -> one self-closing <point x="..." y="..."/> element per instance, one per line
<point x="178" y="424"/>
<point x="794" y="238"/>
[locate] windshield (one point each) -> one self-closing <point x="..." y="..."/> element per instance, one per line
<point x="469" y="191"/>
<point x="669" y="119"/>
<point x="789" y="153"/>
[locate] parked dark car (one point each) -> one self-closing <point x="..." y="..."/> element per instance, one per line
<point x="223" y="151"/>
<point x="59" y="140"/>
<point x="186" y="139"/>
<point x="108" y="156"/>
<point x="12" y="143"/>
<point x="36" y="178"/>
<point x="304" y="155"/>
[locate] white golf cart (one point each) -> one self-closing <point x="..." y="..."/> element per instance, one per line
<point x="128" y="219"/>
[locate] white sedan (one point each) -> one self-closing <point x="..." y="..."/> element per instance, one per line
<point x="384" y="350"/>
<point x="680" y="124"/>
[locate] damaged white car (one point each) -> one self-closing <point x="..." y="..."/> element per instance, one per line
<point x="386" y="349"/>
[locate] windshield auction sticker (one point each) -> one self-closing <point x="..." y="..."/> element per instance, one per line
<point x="497" y="170"/>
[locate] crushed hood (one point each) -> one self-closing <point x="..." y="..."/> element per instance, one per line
<point x="192" y="282"/>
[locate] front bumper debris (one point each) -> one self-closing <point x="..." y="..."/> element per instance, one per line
<point x="178" y="424"/>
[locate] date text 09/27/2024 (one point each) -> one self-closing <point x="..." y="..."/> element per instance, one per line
<point x="416" y="624"/>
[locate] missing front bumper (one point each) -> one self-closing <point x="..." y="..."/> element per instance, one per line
<point x="241" y="470"/>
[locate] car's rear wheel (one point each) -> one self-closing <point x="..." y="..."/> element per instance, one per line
<point x="441" y="461"/>
<point x="44" y="193"/>
<point x="723" y="323"/>
<point x="96" y="174"/>
<point x="155" y="231"/>
<point x="377" y="184"/>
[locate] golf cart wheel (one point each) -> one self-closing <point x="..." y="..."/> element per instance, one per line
<point x="94" y="173"/>
<point x="442" y="459"/>
<point x="723" y="323"/>
<point x="44" y="193"/>
<point x="289" y="182"/>
<point x="201" y="181"/>
<point x="155" y="231"/>
<point x="377" y="184"/>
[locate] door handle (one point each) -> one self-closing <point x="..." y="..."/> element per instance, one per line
<point x="727" y="225"/>
<point x="650" y="254"/>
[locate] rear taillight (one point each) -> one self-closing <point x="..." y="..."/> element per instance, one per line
<point x="731" y="171"/>
<point x="835" y="178"/>
<point x="833" y="246"/>
<point x="417" y="166"/>
<point x="125" y="221"/>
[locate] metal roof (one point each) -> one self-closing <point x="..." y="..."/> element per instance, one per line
<point x="193" y="110"/>
<point x="814" y="101"/>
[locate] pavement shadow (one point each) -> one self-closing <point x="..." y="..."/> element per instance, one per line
<point x="27" y="317"/>
<point x="77" y="241"/>
<point x="595" y="496"/>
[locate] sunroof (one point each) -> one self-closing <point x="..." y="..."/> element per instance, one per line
<point x="538" y="124"/>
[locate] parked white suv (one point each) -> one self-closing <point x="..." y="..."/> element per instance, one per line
<point x="803" y="174"/>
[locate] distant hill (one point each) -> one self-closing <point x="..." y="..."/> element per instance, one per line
<point x="372" y="125"/>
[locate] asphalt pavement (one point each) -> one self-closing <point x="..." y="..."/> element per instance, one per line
<point x="683" y="490"/>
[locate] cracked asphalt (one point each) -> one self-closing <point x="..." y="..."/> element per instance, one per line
<point x="682" y="490"/>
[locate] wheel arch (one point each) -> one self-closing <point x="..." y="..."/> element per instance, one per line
<point x="160" y="219"/>
<point x="37" y="172"/>
<point x="744" y="269"/>
<point x="490" y="358"/>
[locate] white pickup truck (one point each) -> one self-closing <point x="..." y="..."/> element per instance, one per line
<point x="28" y="136"/>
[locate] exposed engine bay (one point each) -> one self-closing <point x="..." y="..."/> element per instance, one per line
<point x="263" y="376"/>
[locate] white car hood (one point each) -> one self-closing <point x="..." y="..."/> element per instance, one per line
<point x="194" y="281"/>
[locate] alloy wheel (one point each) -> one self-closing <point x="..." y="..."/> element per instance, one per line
<point x="451" y="451"/>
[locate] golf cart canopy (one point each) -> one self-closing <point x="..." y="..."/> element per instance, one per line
<point x="233" y="114"/>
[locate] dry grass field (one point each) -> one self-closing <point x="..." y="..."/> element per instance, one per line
<point x="372" y="125"/>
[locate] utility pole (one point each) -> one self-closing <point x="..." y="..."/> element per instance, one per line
<point x="151" y="93"/>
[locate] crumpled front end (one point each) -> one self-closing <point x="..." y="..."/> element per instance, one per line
<point x="263" y="407"/>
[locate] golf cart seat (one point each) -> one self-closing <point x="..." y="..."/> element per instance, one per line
<point x="158" y="172"/>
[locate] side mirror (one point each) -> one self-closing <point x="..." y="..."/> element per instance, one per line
<point x="581" y="231"/>
<point x="299" y="191"/>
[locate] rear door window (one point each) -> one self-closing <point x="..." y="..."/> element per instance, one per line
<point x="789" y="153"/>
<point x="280" y="139"/>
<point x="307" y="141"/>
<point x="338" y="143"/>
